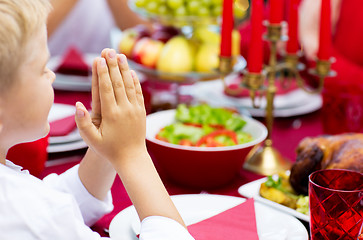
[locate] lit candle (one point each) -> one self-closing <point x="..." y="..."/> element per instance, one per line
<point x="325" y="31"/>
<point x="255" y="53"/>
<point x="276" y="11"/>
<point x="293" y="44"/>
<point x="227" y="27"/>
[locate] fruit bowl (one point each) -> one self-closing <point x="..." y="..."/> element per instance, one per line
<point x="200" y="15"/>
<point x="198" y="167"/>
<point x="184" y="78"/>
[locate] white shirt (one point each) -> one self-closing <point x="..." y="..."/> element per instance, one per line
<point x="86" y="27"/>
<point x="59" y="207"/>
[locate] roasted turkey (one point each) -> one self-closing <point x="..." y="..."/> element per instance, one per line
<point x="344" y="151"/>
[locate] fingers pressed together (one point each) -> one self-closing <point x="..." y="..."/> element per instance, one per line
<point x="117" y="83"/>
<point x="117" y="103"/>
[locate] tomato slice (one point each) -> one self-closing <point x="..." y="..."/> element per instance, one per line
<point x="185" y="142"/>
<point x="209" y="137"/>
<point x="161" y="138"/>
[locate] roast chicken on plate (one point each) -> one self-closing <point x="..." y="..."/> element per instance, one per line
<point x="344" y="151"/>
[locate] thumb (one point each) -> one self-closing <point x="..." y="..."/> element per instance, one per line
<point x="86" y="128"/>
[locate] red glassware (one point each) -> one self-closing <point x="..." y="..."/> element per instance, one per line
<point x="336" y="204"/>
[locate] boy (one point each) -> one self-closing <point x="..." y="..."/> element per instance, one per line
<point x="61" y="207"/>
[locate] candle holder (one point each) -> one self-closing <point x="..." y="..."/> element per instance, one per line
<point x="264" y="158"/>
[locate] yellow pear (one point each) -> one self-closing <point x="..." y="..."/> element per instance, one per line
<point x="207" y="58"/>
<point x="206" y="35"/>
<point x="176" y="56"/>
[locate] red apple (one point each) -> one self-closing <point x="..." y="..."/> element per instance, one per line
<point x="142" y="30"/>
<point x="162" y="36"/>
<point x="130" y="37"/>
<point x="164" y="33"/>
<point x="147" y="51"/>
<point x="128" y="40"/>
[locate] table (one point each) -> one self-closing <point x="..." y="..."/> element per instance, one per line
<point x="287" y="133"/>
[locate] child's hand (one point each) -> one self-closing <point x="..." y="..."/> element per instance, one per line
<point x="116" y="129"/>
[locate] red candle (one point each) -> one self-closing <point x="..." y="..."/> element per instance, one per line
<point x="276" y="11"/>
<point x="255" y="53"/>
<point x="293" y="44"/>
<point x="325" y="31"/>
<point x="227" y="27"/>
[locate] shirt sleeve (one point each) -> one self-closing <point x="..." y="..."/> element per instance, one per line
<point x="163" y="228"/>
<point x="91" y="208"/>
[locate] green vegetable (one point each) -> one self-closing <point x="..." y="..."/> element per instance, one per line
<point x="302" y="204"/>
<point x="205" y="114"/>
<point x="274" y="183"/>
<point x="197" y="121"/>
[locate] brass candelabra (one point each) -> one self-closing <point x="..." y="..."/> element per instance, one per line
<point x="264" y="158"/>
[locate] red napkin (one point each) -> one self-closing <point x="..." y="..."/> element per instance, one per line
<point x="236" y="223"/>
<point x="239" y="92"/>
<point x="62" y="127"/>
<point x="73" y="64"/>
<point x="31" y="155"/>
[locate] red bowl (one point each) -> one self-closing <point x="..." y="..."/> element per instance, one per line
<point x="198" y="167"/>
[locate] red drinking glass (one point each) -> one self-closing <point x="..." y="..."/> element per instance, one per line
<point x="336" y="204"/>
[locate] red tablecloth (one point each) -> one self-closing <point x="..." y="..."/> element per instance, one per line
<point x="287" y="133"/>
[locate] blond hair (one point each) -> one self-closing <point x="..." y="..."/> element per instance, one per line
<point x="19" y="20"/>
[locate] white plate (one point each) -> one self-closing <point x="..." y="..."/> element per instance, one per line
<point x="71" y="137"/>
<point x="252" y="189"/>
<point x="71" y="82"/>
<point x="70" y="142"/>
<point x="297" y="102"/>
<point x="66" y="147"/>
<point x="59" y="111"/>
<point x="271" y="224"/>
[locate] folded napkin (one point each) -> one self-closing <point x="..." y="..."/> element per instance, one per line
<point x="240" y="92"/>
<point x="62" y="127"/>
<point x="73" y="63"/>
<point x="236" y="223"/>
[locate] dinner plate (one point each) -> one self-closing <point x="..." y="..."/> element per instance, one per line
<point x="59" y="111"/>
<point x="71" y="137"/>
<point x="294" y="103"/>
<point x="271" y="224"/>
<point x="66" y="147"/>
<point x="252" y="189"/>
<point x="71" y="82"/>
<point x="69" y="142"/>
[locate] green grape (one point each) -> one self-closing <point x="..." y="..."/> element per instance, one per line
<point x="163" y="10"/>
<point x="203" y="11"/>
<point x="140" y="3"/>
<point x="206" y="3"/>
<point x="181" y="12"/>
<point x="217" y="2"/>
<point x="152" y="7"/>
<point x="175" y="4"/>
<point x="193" y="7"/>
<point x="217" y="11"/>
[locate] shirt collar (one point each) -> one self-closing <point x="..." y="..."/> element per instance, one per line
<point x="15" y="167"/>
